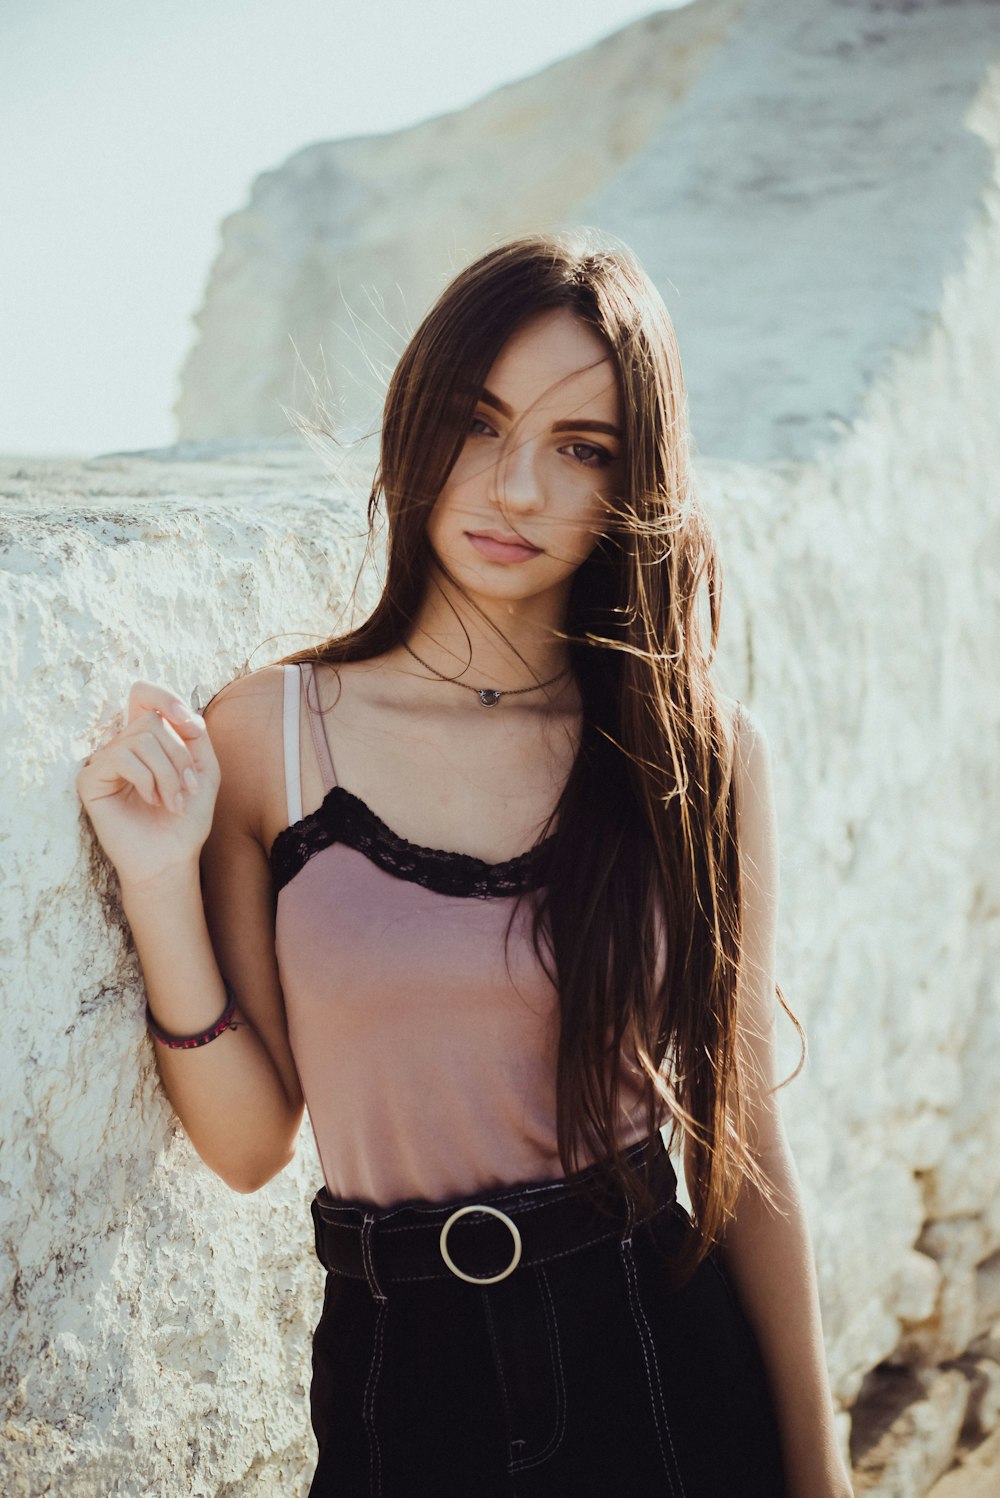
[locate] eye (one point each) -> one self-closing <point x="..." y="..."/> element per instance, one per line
<point x="481" y="423"/>
<point x="601" y="457"/>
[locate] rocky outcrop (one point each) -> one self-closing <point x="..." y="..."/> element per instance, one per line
<point x="156" y="1324"/>
<point x="847" y="450"/>
<point x="797" y="175"/>
<point x="338" y="253"/>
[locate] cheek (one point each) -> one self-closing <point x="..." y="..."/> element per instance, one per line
<point x="432" y="534"/>
<point x="447" y="510"/>
<point x="437" y="520"/>
<point x="584" y="528"/>
<point x="587" y="545"/>
<point x="445" y="524"/>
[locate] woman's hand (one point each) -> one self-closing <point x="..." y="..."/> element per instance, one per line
<point x="150" y="791"/>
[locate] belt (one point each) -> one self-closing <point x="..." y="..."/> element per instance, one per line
<point x="479" y="1239"/>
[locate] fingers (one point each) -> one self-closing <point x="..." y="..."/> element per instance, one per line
<point x="160" y="751"/>
<point x="146" y="696"/>
<point x="186" y="726"/>
<point x="131" y="766"/>
<point x="164" y="757"/>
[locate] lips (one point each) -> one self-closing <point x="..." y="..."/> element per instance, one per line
<point x="505" y="540"/>
<point x="489" y="545"/>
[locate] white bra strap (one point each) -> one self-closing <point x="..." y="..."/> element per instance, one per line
<point x="293" y="773"/>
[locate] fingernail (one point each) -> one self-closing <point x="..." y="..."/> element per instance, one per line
<point x="190" y="778"/>
<point x="178" y="802"/>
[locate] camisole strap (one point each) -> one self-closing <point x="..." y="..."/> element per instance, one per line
<point x="320" y="739"/>
<point x="293" y="774"/>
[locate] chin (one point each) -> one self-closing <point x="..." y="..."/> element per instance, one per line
<point x="507" y="583"/>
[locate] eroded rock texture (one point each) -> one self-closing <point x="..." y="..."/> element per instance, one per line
<point x="334" y="259"/>
<point x="156" y="1324"/>
<point x="815" y="188"/>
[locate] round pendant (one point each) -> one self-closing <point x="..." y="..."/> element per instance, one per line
<point x="489" y="696"/>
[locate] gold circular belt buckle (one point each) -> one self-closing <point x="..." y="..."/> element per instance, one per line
<point x="473" y="1279"/>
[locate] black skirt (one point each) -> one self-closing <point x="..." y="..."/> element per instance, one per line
<point x="562" y="1365"/>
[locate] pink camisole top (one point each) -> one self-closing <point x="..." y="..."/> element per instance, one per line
<point x="427" y="1067"/>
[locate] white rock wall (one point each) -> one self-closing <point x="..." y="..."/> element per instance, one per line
<point x="333" y="261"/>
<point x="863" y="618"/>
<point x="156" y="1325"/>
<point x="801" y="205"/>
<point x="861" y="623"/>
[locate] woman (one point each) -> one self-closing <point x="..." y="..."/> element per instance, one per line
<point x="489" y="884"/>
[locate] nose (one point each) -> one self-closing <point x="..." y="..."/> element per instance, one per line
<point x="517" y="483"/>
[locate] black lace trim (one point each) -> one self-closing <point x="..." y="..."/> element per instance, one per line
<point x="343" y="817"/>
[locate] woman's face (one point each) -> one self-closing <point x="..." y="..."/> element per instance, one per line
<point x="542" y="452"/>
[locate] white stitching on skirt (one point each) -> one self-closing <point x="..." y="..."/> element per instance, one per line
<point x="499" y="1365"/>
<point x="652" y="1368"/>
<point x="368" y="1406"/>
<point x="555" y="1440"/>
<point x="375" y="1368"/>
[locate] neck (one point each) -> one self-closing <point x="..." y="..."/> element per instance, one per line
<point x="455" y="640"/>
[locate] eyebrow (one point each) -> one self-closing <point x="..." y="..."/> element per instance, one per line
<point x="489" y="399"/>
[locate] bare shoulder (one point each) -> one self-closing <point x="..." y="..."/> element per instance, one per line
<point x="244" y="723"/>
<point x="742" y="724"/>
<point x="249" y="691"/>
<point x="752" y="772"/>
<point x="751" y="760"/>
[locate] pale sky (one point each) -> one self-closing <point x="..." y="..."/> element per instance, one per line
<point x="130" y="128"/>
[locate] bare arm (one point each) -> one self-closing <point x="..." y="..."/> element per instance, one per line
<point x="201" y="915"/>
<point x="768" y="1255"/>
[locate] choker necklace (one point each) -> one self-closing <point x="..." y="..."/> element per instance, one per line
<point x="488" y="696"/>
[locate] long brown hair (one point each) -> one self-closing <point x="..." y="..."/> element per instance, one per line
<point x="639" y="922"/>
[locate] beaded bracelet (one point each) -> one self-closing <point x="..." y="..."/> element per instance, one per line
<point x="187" y="1042"/>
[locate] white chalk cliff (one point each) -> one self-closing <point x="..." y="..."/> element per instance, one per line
<point x="339" y="252"/>
<point x="815" y="188"/>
